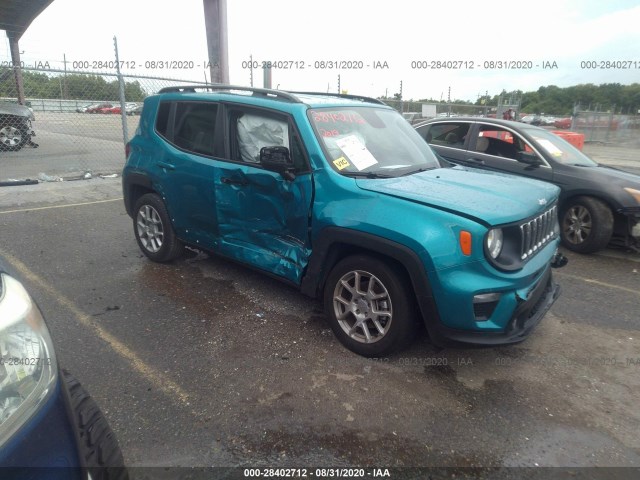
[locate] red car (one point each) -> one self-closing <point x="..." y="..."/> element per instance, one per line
<point x="562" y="123"/>
<point x="114" y="109"/>
<point x="106" y="109"/>
<point x="98" y="108"/>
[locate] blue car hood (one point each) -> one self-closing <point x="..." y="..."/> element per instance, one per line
<point x="488" y="197"/>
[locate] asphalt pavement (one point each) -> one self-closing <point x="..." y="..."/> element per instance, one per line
<point x="203" y="362"/>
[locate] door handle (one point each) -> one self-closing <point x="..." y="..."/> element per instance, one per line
<point x="231" y="181"/>
<point x="167" y="166"/>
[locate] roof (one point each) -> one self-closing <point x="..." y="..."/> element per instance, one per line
<point x="17" y="15"/>
<point x="311" y="99"/>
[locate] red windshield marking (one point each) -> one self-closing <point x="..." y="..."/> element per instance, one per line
<point x="329" y="133"/>
<point x="340" y="117"/>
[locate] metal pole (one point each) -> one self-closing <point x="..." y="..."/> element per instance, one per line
<point x="17" y="69"/>
<point x="66" y="92"/>
<point x="215" y="19"/>
<point x="123" y="112"/>
<point x="266" y="76"/>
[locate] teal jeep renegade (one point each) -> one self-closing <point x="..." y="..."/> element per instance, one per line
<point x="339" y="196"/>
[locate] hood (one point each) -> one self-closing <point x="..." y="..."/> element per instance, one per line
<point x="616" y="175"/>
<point x="8" y="108"/>
<point x="488" y="197"/>
<point x="608" y="182"/>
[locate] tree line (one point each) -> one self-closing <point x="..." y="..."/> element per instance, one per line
<point x="555" y="100"/>
<point x="549" y="99"/>
<point x="69" y="87"/>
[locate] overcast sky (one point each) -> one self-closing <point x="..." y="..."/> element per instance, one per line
<point x="566" y="32"/>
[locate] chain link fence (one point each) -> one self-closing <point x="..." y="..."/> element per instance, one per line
<point x="416" y="112"/>
<point x="74" y="123"/>
<point x="606" y="127"/>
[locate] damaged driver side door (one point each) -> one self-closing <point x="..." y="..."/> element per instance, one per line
<point x="263" y="217"/>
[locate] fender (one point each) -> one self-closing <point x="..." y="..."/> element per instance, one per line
<point x="331" y="244"/>
<point x="129" y="182"/>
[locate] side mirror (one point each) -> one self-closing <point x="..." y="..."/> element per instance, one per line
<point x="277" y="159"/>
<point x="528" y="158"/>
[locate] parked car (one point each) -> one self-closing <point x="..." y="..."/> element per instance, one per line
<point x="108" y="108"/>
<point x="598" y="205"/>
<point x="16" y="129"/>
<point x="47" y="419"/>
<point x="84" y="108"/>
<point x="531" y="119"/>
<point x="98" y="108"/>
<point x="564" y="123"/>
<point x="134" y="110"/>
<point x="117" y="109"/>
<point x="338" y="196"/>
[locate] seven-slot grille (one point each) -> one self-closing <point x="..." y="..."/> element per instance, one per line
<point x="537" y="232"/>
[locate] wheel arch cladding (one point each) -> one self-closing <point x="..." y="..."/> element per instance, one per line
<point x="335" y="243"/>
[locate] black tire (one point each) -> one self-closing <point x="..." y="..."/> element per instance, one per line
<point x="396" y="302"/>
<point x="13" y="134"/>
<point x="586" y="224"/>
<point x="98" y="444"/>
<point x="153" y="230"/>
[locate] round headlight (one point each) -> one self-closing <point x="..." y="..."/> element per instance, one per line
<point x="494" y="242"/>
<point x="28" y="368"/>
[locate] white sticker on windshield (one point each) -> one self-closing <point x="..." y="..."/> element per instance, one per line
<point x="550" y="147"/>
<point x="356" y="151"/>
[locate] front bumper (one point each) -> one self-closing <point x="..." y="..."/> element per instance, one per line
<point x="46" y="443"/>
<point x="528" y="314"/>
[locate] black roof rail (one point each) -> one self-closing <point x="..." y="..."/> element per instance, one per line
<point x="223" y="87"/>
<point x="344" y="95"/>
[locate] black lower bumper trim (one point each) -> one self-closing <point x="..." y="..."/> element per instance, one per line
<point x="527" y="315"/>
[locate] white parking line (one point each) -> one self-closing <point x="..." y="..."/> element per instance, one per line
<point x="160" y="381"/>
<point x="61" y="206"/>
<point x="597" y="282"/>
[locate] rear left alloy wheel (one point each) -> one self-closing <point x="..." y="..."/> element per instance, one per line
<point x="370" y="306"/>
<point x="153" y="230"/>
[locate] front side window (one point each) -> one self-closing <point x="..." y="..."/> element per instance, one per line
<point x="370" y="141"/>
<point x="255" y="132"/>
<point x="500" y="142"/>
<point x="250" y="131"/>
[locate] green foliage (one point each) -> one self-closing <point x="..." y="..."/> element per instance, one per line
<point x="69" y="87"/>
<point x="554" y="100"/>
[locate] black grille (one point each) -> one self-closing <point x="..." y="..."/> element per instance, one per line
<point x="536" y="233"/>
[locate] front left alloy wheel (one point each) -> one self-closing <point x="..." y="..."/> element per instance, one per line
<point x="370" y="306"/>
<point x="586" y="224"/>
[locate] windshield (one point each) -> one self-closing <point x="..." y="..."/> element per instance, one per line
<point x="561" y="150"/>
<point x="370" y="141"/>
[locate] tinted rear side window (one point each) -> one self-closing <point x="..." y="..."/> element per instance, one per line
<point x="195" y="126"/>
<point x="162" y="120"/>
